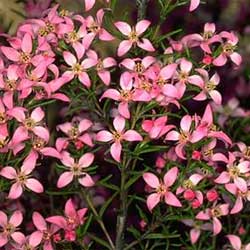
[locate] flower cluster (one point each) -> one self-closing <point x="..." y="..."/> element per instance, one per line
<point x="67" y="109"/>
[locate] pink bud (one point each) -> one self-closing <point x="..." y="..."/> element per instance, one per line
<point x="57" y="238"/>
<point x="189" y="195"/>
<point x="143" y="224"/>
<point x="79" y="144"/>
<point x="242" y="230"/>
<point x="196" y="155"/>
<point x="160" y="162"/>
<point x="212" y="195"/>
<point x="207" y="59"/>
<point x="195" y="204"/>
<point x="70" y="235"/>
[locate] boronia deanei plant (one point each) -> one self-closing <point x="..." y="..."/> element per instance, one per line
<point x="100" y="146"/>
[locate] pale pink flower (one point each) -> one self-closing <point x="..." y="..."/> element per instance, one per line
<point x="125" y="95"/>
<point x="162" y="189"/>
<point x="90" y="3"/>
<point x="235" y="242"/>
<point x="72" y="218"/>
<point x="44" y="233"/>
<point x="78" y="68"/>
<point x="10" y="227"/>
<point x="235" y="172"/>
<point x="76" y="170"/>
<point x="213" y="214"/>
<point x="208" y="87"/>
<point x="117" y="136"/>
<point x="32" y="122"/>
<point x="133" y="37"/>
<point x="228" y="50"/>
<point x="22" y="179"/>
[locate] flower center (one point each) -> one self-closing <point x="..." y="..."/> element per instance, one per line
<point x="63" y="13"/>
<point x="29" y="123"/>
<point x="3" y="143"/>
<point x="77" y="68"/>
<point x="247" y="152"/>
<point x="24" y="57"/>
<point x="126" y="95"/>
<point x="188" y="184"/>
<point x="208" y="153"/>
<point x="3" y="118"/>
<point x="46" y="235"/>
<point x="216" y="212"/>
<point x="183" y="76"/>
<point x="38" y="143"/>
<point x="10" y="85"/>
<point x="117" y="136"/>
<point x="207" y="35"/>
<point x="210" y="86"/>
<point x="228" y="48"/>
<point x="99" y="66"/>
<point x="94" y="27"/>
<point x="183" y="137"/>
<point x="133" y="36"/>
<point x="21" y="178"/>
<point x="72" y="36"/>
<point x="234" y="171"/>
<point x="162" y="189"/>
<point x="139" y="68"/>
<point x="73" y="133"/>
<point x="9" y="229"/>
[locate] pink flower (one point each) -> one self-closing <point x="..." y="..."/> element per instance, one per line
<point x="102" y="66"/>
<point x="44" y="232"/>
<point x="72" y="218"/>
<point x="133" y="34"/>
<point x="125" y="95"/>
<point x="76" y="131"/>
<point x="235" y="242"/>
<point x="197" y="227"/>
<point x="214" y="213"/>
<point x="235" y="172"/>
<point x="32" y="122"/>
<point x="228" y="50"/>
<point x="78" y="68"/>
<point x="22" y="178"/>
<point x="94" y="26"/>
<point x="156" y="128"/>
<point x="76" y="169"/>
<point x="194" y="5"/>
<point x="208" y="87"/>
<point x="21" y="55"/>
<point x="117" y="137"/>
<point x="162" y="189"/>
<point x="10" y="227"/>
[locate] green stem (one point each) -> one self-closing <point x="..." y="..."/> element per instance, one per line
<point x="98" y="219"/>
<point x="121" y="218"/>
<point x="142" y="7"/>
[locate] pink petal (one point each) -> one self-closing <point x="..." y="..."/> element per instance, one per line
<point x="84" y="79"/>
<point x="119" y="123"/>
<point x="57" y="220"/>
<point x="35" y="238"/>
<point x="3" y="239"/>
<point x="41" y="132"/>
<point x="172" y="200"/>
<point x="170" y="176"/>
<point x="186" y="122"/>
<point x="67" y="160"/>
<point x="123" y="27"/>
<point x="194" y="4"/>
<point x="3" y="219"/>
<point x="18" y="237"/>
<point x="27" y="43"/>
<point x="115" y="151"/>
<point x="65" y="179"/>
<point x="203" y="215"/>
<point x="132" y="135"/>
<point x="104" y="136"/>
<point x="185" y="66"/>
<point x="39" y="221"/>
<point x="194" y="235"/>
<point x="86" y="181"/>
<point x="16" y="218"/>
<point x="146" y="45"/>
<point x="234" y="241"/>
<point x="153" y="200"/>
<point x="10" y="53"/>
<point x="223" y="178"/>
<point x="8" y="172"/>
<point x="37" y="114"/>
<point x="220" y="60"/>
<point x="216" y="96"/>
<point x="151" y="179"/>
<point x="216" y="226"/>
<point x="124" y="47"/>
<point x="34" y="185"/>
<point x="168" y="71"/>
<point x="49" y="151"/>
<point x="29" y="163"/>
<point x="86" y="160"/>
<point x="70" y="210"/>
<point x="123" y="110"/>
<point x="241" y="184"/>
<point x="238" y="206"/>
<point x="16" y="191"/>
<point x="105" y="77"/>
<point x="112" y="94"/>
<point x="142" y="26"/>
<point x="172" y="136"/>
<point x="89" y="4"/>
<point x="236" y="58"/>
<point x="105" y="36"/>
<point x="69" y="58"/>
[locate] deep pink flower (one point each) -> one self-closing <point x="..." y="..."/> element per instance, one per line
<point x="10" y="227"/>
<point x="72" y="218"/>
<point x="162" y="188"/>
<point x="117" y="137"/>
<point x="44" y="233"/>
<point x="76" y="169"/>
<point x="133" y="37"/>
